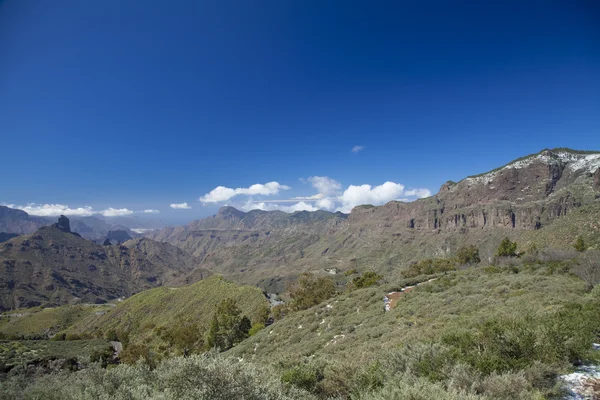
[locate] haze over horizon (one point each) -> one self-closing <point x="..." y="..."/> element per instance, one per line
<point x="122" y="108"/>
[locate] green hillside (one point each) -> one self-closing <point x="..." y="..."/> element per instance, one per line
<point x="42" y="323"/>
<point x="143" y="314"/>
<point x="520" y="323"/>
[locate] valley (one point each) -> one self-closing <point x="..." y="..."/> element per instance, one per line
<point x="493" y="284"/>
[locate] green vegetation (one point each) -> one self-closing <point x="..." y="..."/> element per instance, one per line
<point x="498" y="332"/>
<point x="468" y="255"/>
<point x="367" y="279"/>
<point x="153" y="316"/>
<point x="507" y="248"/>
<point x="429" y="266"/>
<point x="42" y="323"/>
<point x="196" y="377"/>
<point x="579" y="244"/>
<point x="310" y="290"/>
<point x="24" y="352"/>
<point x="228" y="326"/>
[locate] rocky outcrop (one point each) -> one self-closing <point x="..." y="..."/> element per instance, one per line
<point x="596" y="180"/>
<point x="63" y="224"/>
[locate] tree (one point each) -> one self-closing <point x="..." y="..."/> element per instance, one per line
<point x="309" y="291"/>
<point x="468" y="255"/>
<point x="185" y="337"/>
<point x="579" y="244"/>
<point x="228" y="326"/>
<point x="367" y="279"/>
<point x="507" y="248"/>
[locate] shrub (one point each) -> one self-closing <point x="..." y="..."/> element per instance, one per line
<point x="309" y="291"/>
<point x="588" y="268"/>
<point x="184" y="337"/>
<point x="468" y="255"/>
<point x="256" y="328"/>
<point x="428" y="267"/>
<point x="579" y="244"/>
<point x="302" y="376"/>
<point x="195" y="377"/>
<point x="507" y="248"/>
<point x="367" y="279"/>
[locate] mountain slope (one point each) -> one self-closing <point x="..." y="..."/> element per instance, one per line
<point x="55" y="266"/>
<point x="268" y="248"/>
<point x="140" y="314"/>
<point x="19" y="222"/>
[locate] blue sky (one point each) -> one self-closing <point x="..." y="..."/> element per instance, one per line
<point x="137" y="105"/>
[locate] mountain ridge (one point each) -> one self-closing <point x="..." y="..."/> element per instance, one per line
<point x="261" y="247"/>
<point x="55" y="266"/>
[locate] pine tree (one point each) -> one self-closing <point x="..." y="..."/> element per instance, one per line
<point x="228" y="326"/>
<point x="507" y="248"/>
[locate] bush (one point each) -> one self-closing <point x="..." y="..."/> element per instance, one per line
<point x="588" y="268"/>
<point x="468" y="255"/>
<point x="302" y="376"/>
<point x="195" y="377"/>
<point x="367" y="279"/>
<point x="428" y="267"/>
<point x="256" y="328"/>
<point x="579" y="244"/>
<point x="184" y="337"/>
<point x="309" y="291"/>
<point x="507" y="248"/>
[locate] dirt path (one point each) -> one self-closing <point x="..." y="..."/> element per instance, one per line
<point x="390" y="300"/>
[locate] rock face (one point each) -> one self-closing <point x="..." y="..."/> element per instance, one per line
<point x="527" y="193"/>
<point x="596" y="182"/>
<point x="63" y="224"/>
<point x="264" y="248"/>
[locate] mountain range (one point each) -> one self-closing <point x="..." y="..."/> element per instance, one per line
<point x="531" y="200"/>
<point x="522" y="199"/>
<point x="55" y="266"/>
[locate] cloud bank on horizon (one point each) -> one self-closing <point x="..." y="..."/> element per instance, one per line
<point x="54" y="210"/>
<point x="330" y="196"/>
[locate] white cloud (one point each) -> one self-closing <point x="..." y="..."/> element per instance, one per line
<point x="420" y="193"/>
<point x="356" y="149"/>
<point x="114" y="212"/>
<point x="366" y="194"/>
<point x="330" y="196"/>
<point x="180" y="206"/>
<point x="151" y="212"/>
<point x="54" y="210"/>
<point x="222" y="193"/>
<point x="267" y="206"/>
<point x="325" y="185"/>
<point x="326" y="204"/>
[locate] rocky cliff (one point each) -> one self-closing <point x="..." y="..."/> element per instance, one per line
<point x="262" y="247"/>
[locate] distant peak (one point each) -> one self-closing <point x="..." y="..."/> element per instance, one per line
<point x="229" y="211"/>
